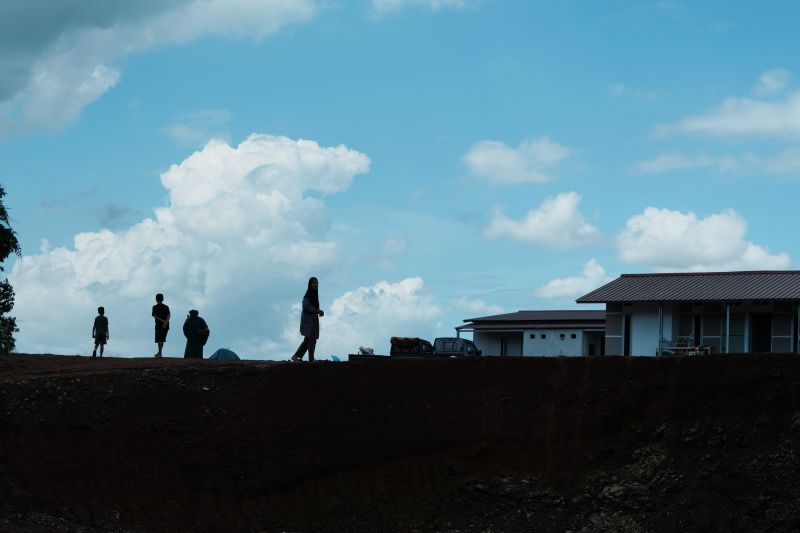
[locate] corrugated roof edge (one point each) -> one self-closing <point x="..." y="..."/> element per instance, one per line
<point x="586" y="298"/>
<point x="720" y="273"/>
<point x="600" y="295"/>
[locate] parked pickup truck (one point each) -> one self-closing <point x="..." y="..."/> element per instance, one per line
<point x="416" y="348"/>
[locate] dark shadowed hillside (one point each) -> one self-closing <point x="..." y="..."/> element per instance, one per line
<point x="488" y="444"/>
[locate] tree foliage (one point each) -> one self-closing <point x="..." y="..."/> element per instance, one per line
<point x="8" y="245"/>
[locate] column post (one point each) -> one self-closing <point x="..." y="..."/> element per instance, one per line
<point x="728" y="327"/>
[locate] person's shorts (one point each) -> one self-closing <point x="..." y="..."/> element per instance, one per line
<point x="161" y="334"/>
<point x="100" y="338"/>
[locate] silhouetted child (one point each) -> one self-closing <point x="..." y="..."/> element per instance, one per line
<point x="161" y="315"/>
<point x="100" y="331"/>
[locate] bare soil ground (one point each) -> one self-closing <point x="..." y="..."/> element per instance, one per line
<point x="485" y="444"/>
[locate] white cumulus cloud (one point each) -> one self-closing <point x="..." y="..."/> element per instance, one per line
<point x="556" y="223"/>
<point x="592" y="277"/>
<point x="667" y="240"/>
<point x="531" y="161"/>
<point x="370" y="316"/>
<point x="243" y="230"/>
<point x="58" y="57"/>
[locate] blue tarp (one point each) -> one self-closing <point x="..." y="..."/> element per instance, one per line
<point x="223" y="354"/>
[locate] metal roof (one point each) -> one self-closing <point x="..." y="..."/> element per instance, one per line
<point x="576" y="315"/>
<point x="699" y="286"/>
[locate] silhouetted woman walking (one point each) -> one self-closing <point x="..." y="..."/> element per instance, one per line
<point x="309" y="322"/>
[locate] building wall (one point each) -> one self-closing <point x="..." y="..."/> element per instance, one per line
<point x="644" y="328"/>
<point x="488" y="342"/>
<point x="521" y="343"/>
<point x="643" y="320"/>
<point x="552" y="342"/>
<point x="779" y="333"/>
<point x="782" y="327"/>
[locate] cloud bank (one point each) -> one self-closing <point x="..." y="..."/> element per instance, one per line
<point x="783" y="163"/>
<point x="58" y="57"/>
<point x="744" y="116"/>
<point x="243" y="230"/>
<point x="773" y="112"/>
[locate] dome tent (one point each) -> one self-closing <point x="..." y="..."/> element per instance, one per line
<point x="223" y="354"/>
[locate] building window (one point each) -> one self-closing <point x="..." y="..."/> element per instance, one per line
<point x="563" y="336"/>
<point x="533" y="335"/>
<point x="574" y="336"/>
<point x="544" y="335"/>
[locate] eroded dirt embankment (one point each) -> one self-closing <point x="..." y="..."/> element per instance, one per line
<point x="488" y="444"/>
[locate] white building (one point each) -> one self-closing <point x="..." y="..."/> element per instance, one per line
<point x="538" y="333"/>
<point x="712" y="312"/>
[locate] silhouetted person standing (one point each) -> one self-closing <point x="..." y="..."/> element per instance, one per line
<point x="161" y="315"/>
<point x="196" y="331"/>
<point x="100" y="331"/>
<point x="309" y="322"/>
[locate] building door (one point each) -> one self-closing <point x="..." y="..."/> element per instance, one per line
<point x="626" y="339"/>
<point x="503" y="346"/>
<point x="595" y="343"/>
<point x="760" y="332"/>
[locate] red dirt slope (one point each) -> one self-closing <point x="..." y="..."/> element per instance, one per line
<point x="486" y="444"/>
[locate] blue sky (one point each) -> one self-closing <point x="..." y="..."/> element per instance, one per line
<point x="428" y="160"/>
